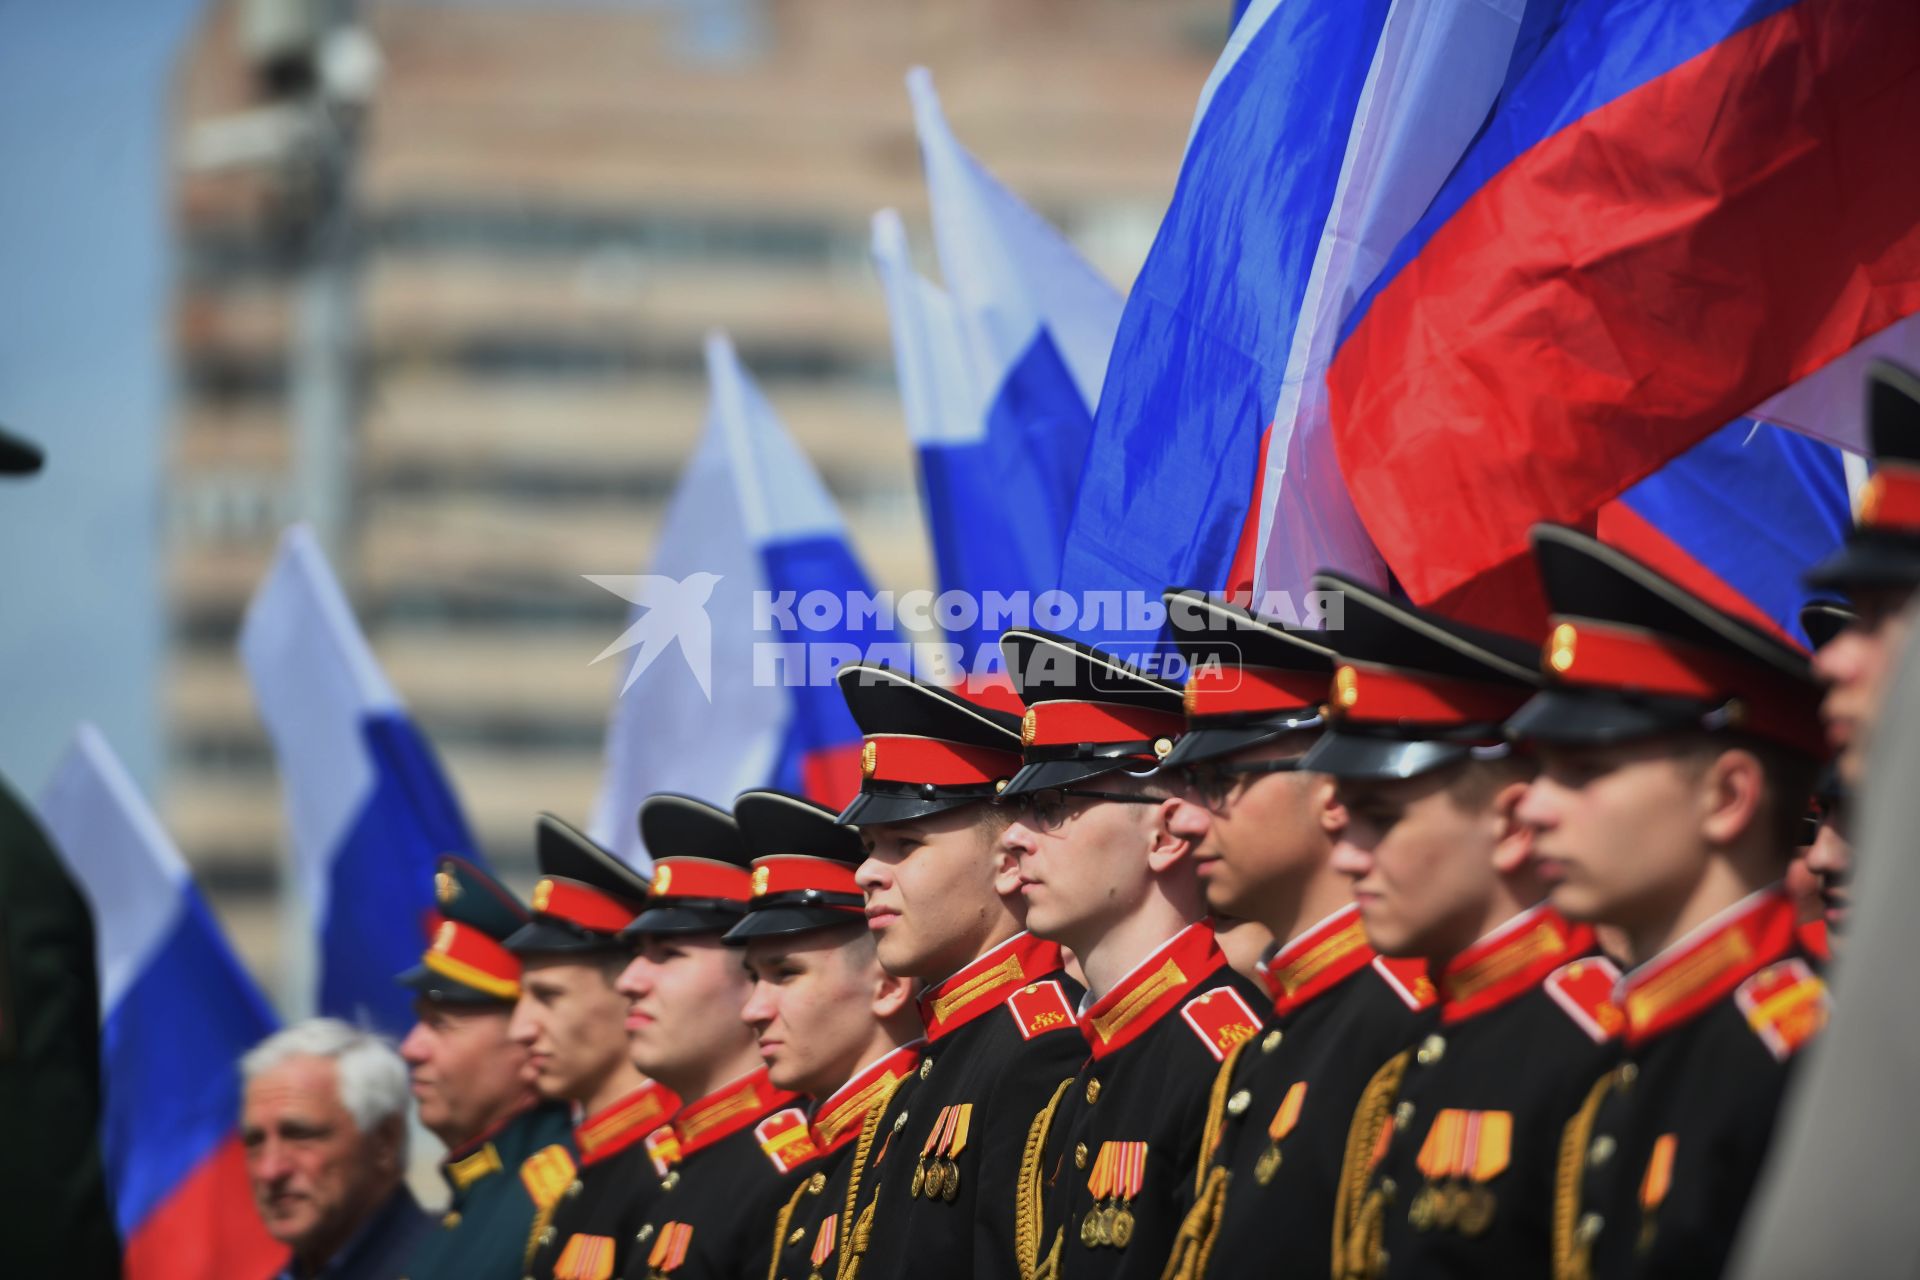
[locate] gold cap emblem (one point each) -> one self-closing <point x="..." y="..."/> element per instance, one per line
<point x="1029" y="724"/>
<point x="1000" y="784"/>
<point x="445" y="887"/>
<point x="759" y="881"/>
<point x="662" y="879"/>
<point x="869" y="757"/>
<point x="1560" y="647"/>
<point x="1346" y="687"/>
<point x="1188" y="696"/>
<point x="1871" y="494"/>
<point x="1162" y="747"/>
<point x="542" y="894"/>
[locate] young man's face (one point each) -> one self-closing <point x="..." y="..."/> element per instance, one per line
<point x="1617" y="830"/>
<point x="929" y="882"/>
<point x="1858" y="668"/>
<point x="466" y="1072"/>
<point x="813" y="1006"/>
<point x="1830" y="859"/>
<point x="1421" y="861"/>
<point x="1082" y="862"/>
<point x="569" y="1019"/>
<point x="1256" y="838"/>
<point x="685" y="993"/>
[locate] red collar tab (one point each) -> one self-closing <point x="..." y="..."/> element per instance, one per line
<point x="582" y="904"/>
<point x="1317" y="961"/>
<point x="610" y="1131"/>
<point x="1509" y="962"/>
<point x="1230" y="690"/>
<point x="934" y="762"/>
<point x="1064" y="730"/>
<point x="1890" y="501"/>
<point x="721" y="1115"/>
<point x="1685" y="980"/>
<point x="1153" y="990"/>
<point x="1815" y="940"/>
<point x="1365" y="694"/>
<point x="1760" y="700"/>
<point x="985" y="984"/>
<point x="468" y="956"/>
<point x="675" y="879"/>
<point x="797" y="873"/>
<point x="471" y="1145"/>
<point x="836" y="1121"/>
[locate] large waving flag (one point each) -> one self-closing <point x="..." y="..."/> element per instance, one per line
<point x="1323" y="130"/>
<point x="177" y="1012"/>
<point x="998" y="372"/>
<point x="368" y="810"/>
<point x="1677" y="210"/>
<point x="738" y="628"/>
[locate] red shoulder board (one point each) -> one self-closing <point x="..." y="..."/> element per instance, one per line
<point x="1222" y="1019"/>
<point x="786" y="1140"/>
<point x="663" y="1146"/>
<point x="1584" y="989"/>
<point x="1409" y="981"/>
<point x="1785" y="1004"/>
<point x="1040" y="1007"/>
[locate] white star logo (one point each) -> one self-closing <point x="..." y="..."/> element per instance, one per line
<point x="670" y="611"/>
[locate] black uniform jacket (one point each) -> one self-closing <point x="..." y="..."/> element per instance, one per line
<point x="591" y="1213"/>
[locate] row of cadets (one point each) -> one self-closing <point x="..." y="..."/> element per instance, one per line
<point x="739" y="1141"/>
<point x="1263" y="831"/>
<point x="944" y="908"/>
<point x="571" y="1018"/>
<point x="1678" y="746"/>
<point x="1455" y="1143"/>
<point x="1112" y="1159"/>
<point x="833" y="1024"/>
<point x="469" y="1082"/>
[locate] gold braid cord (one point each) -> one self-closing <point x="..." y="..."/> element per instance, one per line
<point x="1571" y="1260"/>
<point x="1216" y="1117"/>
<point x="780" y="1225"/>
<point x="1026" y="1198"/>
<point x="1200" y="1231"/>
<point x="1358" y="1216"/>
<point x="856" y="1234"/>
<point x="542" y="1219"/>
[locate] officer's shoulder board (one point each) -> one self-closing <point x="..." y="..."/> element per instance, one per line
<point x="1407" y="979"/>
<point x="547" y="1174"/>
<point x="1040" y="1007"/>
<point x="1785" y="1004"/>
<point x="1583" y="989"/>
<point x="1222" y="1019"/>
<point x="785" y="1139"/>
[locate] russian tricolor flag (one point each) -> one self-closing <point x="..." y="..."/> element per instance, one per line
<point x="1677" y="211"/>
<point x="998" y="372"/>
<point x="368" y="810"/>
<point x="177" y="1012"/>
<point x="731" y="683"/>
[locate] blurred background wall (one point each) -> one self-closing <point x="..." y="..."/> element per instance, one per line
<point x="458" y="323"/>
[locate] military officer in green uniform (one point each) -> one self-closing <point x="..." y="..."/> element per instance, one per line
<point x="470" y="1081"/>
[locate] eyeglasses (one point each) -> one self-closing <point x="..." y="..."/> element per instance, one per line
<point x="1212" y="783"/>
<point x="1048" y="810"/>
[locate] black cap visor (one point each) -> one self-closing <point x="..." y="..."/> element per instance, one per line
<point x="787" y="919"/>
<point x="1602" y="717"/>
<point x="707" y="915"/>
<point x="1211" y="741"/>
<point x="543" y="935"/>
<point x="1868" y="562"/>
<point x="872" y="808"/>
<point x="1043" y="774"/>
<point x="1365" y="757"/>
<point x="444" y="990"/>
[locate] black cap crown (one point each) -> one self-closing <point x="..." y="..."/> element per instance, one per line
<point x="1087" y="712"/>
<point x="927" y="749"/>
<point x="584" y="896"/>
<point x="1250" y="679"/>
<point x="804" y="860"/>
<point x="700" y="877"/>
<point x="466" y="961"/>
<point x="1883" y="549"/>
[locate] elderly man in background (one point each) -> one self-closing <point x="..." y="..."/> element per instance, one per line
<point x="324" y="1124"/>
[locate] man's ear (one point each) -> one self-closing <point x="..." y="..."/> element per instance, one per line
<point x="1165" y="850"/>
<point x="1323" y="801"/>
<point x="891" y="993"/>
<point x="1733" y="795"/>
<point x="1513" y="840"/>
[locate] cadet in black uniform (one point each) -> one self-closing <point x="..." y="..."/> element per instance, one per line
<point x="739" y="1143"/>
<point x="570" y="1018"/>
<point x="1112" y="1159"/>
<point x="1451" y="1158"/>
<point x="469" y="1079"/>
<point x="999" y="1011"/>
<point x="832" y="1023"/>
<point x="1677" y="747"/>
<point x="1263" y="831"/>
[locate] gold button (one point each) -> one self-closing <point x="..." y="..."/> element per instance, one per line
<point x="1080" y="1155"/>
<point x="900" y="1122"/>
<point x="576" y="1187"/>
<point x="1601" y="1151"/>
<point x="816" y="1184"/>
<point x="646" y="1234"/>
<point x="1432" y="1049"/>
<point x="1239" y="1102"/>
<point x="926" y="1067"/>
<point x="1403" y="1115"/>
<point x="1590" y="1227"/>
<point x="1390" y="1189"/>
<point x="1627" y="1074"/>
<point x="546" y="1237"/>
<point x="799" y="1234"/>
<point x="1270" y="1042"/>
<point x="1093" y="1091"/>
<point x="672" y="1179"/>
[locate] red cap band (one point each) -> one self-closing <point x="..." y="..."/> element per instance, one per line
<point x="1069" y="724"/>
<point x="583" y="905"/>
<point x="1891" y="499"/>
<point x="1365" y="694"/>
<point x="1221" y="690"/>
<point x="700" y="878"/>
<point x="468" y="956"/>
<point x="796" y="873"/>
<point x="919" y="761"/>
